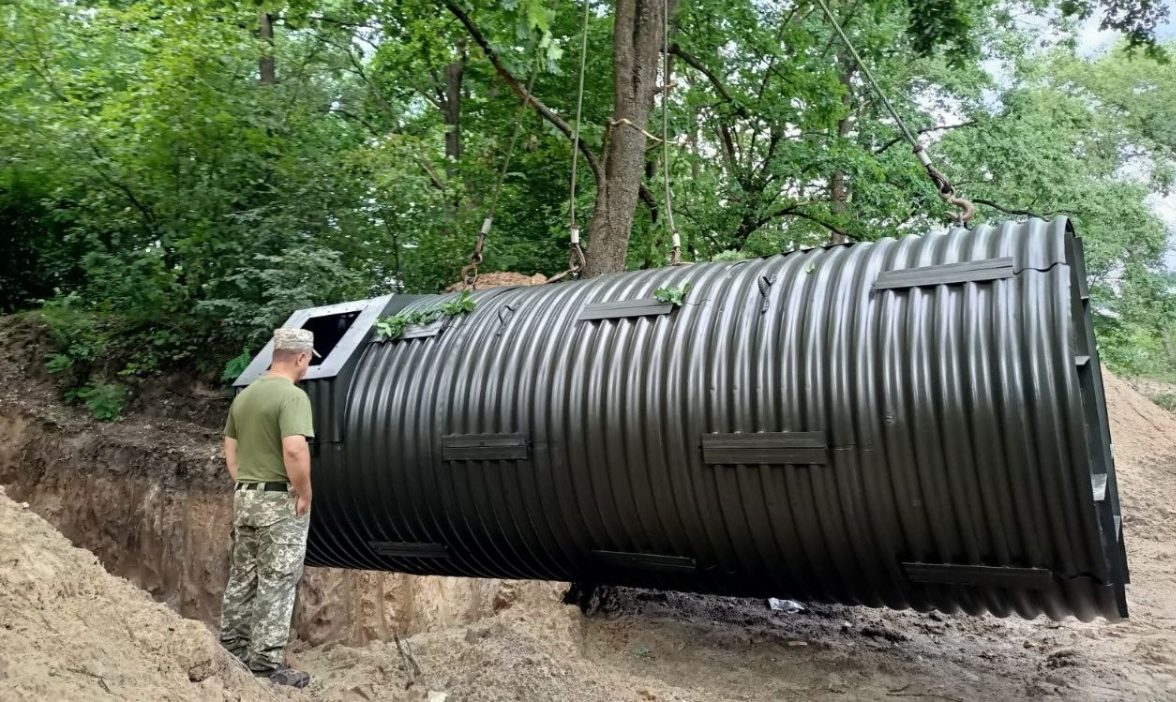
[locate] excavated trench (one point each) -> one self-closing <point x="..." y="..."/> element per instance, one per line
<point x="149" y="498"/>
<point x="152" y="503"/>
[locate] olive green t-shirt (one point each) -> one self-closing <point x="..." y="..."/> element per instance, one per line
<point x="269" y="409"/>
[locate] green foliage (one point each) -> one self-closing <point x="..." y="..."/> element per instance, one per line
<point x="93" y="347"/>
<point x="235" y="366"/>
<point x="675" y="295"/>
<point x="82" y="341"/>
<point x="105" y="401"/>
<point x="59" y="363"/>
<point x="731" y="255"/>
<point x="1136" y="19"/>
<point x="462" y="304"/>
<point x="393" y="327"/>
<point x="388" y="328"/>
<point x="251" y="299"/>
<point x="173" y="209"/>
<point x="1091" y="139"/>
<point x="38" y="256"/>
<point x="1166" y="400"/>
<point x="200" y="207"/>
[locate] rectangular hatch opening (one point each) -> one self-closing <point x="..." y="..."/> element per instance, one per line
<point x="339" y="333"/>
<point x="328" y="331"/>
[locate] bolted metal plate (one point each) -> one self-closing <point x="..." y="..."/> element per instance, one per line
<point x="947" y="274"/>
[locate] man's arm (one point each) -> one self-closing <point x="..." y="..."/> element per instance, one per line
<point x="231" y="456"/>
<point x="296" y="456"/>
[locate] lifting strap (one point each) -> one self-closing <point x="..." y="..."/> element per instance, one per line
<point x="671" y="228"/>
<point x="576" y="259"/>
<point x="469" y="272"/>
<point x="943" y="186"/>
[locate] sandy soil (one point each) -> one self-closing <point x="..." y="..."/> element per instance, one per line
<point x="502" y="280"/>
<point x="69" y="630"/>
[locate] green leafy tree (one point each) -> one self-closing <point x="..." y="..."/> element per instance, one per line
<point x="176" y="178"/>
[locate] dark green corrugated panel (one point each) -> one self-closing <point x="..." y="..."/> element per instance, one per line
<point x="924" y="438"/>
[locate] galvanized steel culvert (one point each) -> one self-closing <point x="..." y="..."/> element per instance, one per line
<point x="903" y="423"/>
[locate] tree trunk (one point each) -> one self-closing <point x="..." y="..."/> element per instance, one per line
<point x="265" y="65"/>
<point x="451" y="106"/>
<point x="637" y="44"/>
<point x="838" y="182"/>
<point x="695" y="150"/>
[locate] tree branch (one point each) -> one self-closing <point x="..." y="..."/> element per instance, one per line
<point x="434" y="178"/>
<point x="1020" y="213"/>
<point x="722" y="129"/>
<point x="358" y="70"/>
<point x="845" y="23"/>
<point x="928" y="130"/>
<point x="438" y="89"/>
<point x="345" y="24"/>
<point x="144" y="210"/>
<point x="544" y="111"/>
<point x="774" y="55"/>
<point x="721" y="89"/>
<point x="434" y="100"/>
<point x="433" y="175"/>
<point x="729" y="155"/>
<point x="794" y="210"/>
<point x="822" y="223"/>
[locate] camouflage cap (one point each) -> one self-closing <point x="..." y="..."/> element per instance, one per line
<point x="287" y="339"/>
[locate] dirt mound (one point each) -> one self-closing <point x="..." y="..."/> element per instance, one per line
<point x="71" y="631"/>
<point x="1141" y="431"/>
<point x="168" y="398"/>
<point x="503" y="280"/>
<point x="529" y="655"/>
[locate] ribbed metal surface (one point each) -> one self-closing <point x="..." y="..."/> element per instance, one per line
<point x="962" y="435"/>
<point x="327" y="408"/>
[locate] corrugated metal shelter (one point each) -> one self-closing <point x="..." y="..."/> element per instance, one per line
<point x="902" y="423"/>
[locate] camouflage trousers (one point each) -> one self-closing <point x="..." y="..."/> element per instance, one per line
<point x="269" y="545"/>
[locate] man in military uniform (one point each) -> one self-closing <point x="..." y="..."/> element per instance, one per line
<point x="268" y="458"/>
